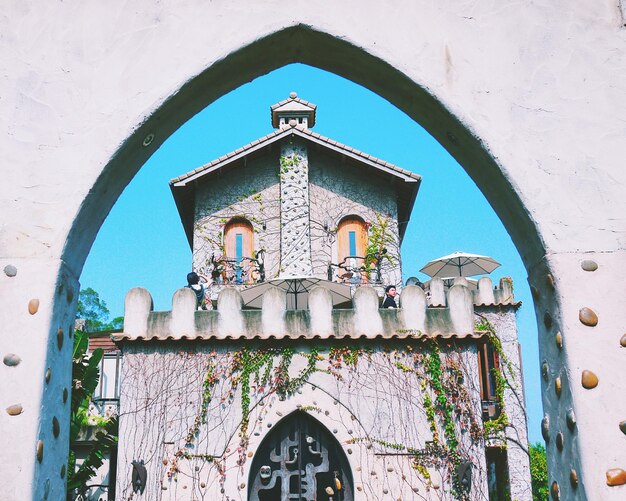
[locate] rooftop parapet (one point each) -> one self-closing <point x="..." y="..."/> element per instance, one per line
<point x="484" y="295"/>
<point x="418" y="316"/>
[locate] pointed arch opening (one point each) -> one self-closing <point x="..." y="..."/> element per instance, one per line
<point x="300" y="459"/>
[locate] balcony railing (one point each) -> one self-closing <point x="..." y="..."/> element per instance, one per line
<point x="356" y="270"/>
<point x="238" y="271"/>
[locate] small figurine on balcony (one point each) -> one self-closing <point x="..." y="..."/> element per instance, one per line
<point x="390" y="294"/>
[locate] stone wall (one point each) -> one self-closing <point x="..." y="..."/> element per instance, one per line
<point x="182" y="413"/>
<point x="298" y="217"/>
<point x="502" y="323"/>
<point x="338" y="189"/>
<point x="414" y="336"/>
<point x="528" y="98"/>
<point x="250" y="190"/>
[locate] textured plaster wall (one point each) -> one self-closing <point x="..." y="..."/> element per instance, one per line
<point x="528" y="97"/>
<point x="363" y="406"/>
<point x="339" y="189"/>
<point x="505" y="326"/>
<point x="251" y="191"/>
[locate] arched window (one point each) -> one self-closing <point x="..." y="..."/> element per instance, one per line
<point x="300" y="459"/>
<point x="352" y="248"/>
<point x="239" y="247"/>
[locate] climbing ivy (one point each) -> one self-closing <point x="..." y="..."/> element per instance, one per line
<point x="263" y="372"/>
<point x="496" y="428"/>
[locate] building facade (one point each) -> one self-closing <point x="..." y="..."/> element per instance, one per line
<point x="333" y="399"/>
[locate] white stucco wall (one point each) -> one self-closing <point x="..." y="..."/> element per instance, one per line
<point x="528" y="97"/>
<point x="191" y="455"/>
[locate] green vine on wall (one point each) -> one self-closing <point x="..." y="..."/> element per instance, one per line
<point x="263" y="372"/>
<point x="379" y="238"/>
<point x="496" y="428"/>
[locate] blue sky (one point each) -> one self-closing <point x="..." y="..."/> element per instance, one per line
<point x="142" y="242"/>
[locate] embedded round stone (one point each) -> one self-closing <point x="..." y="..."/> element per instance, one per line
<point x="65" y="393"/>
<point x="14" y="410"/>
<point x="570" y="419"/>
<point x="555" y="492"/>
<point x="545" y="428"/>
<point x="56" y="427"/>
<point x="558" y="386"/>
<point x="547" y="320"/>
<point x="573" y="478"/>
<point x="622" y="341"/>
<point x="545" y="370"/>
<point x="33" y="306"/>
<point x="622" y="427"/>
<point x="559" y="441"/>
<point x="40" y="450"/>
<point x="589" y="265"/>
<point x="10" y="270"/>
<point x="615" y="477"/>
<point x="48" y="375"/>
<point x="60" y="338"/>
<point x="63" y="471"/>
<point x="588" y="317"/>
<point x="11" y="360"/>
<point x="535" y="292"/>
<point x="589" y="380"/>
<point x="558" y="339"/>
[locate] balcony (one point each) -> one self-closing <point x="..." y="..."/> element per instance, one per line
<point x="243" y="270"/>
<point x="357" y="270"/>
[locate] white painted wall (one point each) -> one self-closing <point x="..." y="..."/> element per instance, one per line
<point x="528" y="97"/>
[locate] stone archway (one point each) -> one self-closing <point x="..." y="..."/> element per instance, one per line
<point x="81" y="122"/>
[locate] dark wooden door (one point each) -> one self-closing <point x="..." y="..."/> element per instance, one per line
<point x="300" y="461"/>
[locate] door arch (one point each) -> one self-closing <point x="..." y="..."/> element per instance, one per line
<point x="303" y="44"/>
<point x="299" y="43"/>
<point x="343" y="56"/>
<point x="299" y="459"/>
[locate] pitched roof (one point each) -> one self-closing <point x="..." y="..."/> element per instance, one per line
<point x="408" y="181"/>
<point x="292" y="105"/>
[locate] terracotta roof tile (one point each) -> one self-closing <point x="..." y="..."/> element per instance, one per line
<point x="213" y="336"/>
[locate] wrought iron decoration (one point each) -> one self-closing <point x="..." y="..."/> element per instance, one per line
<point x="139" y="476"/>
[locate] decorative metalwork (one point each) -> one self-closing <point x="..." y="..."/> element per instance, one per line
<point x="238" y="271"/>
<point x="300" y="461"/>
<point x="358" y="269"/>
<point x="139" y="476"/>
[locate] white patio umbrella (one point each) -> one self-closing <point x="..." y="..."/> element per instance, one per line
<point x="472" y="283"/>
<point x="460" y="264"/>
<point x="297" y="289"/>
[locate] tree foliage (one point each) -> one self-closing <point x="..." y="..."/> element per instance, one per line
<point x="85" y="378"/>
<point x="539" y="472"/>
<point x="94" y="311"/>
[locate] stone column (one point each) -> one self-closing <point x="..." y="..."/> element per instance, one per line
<point x="295" y="233"/>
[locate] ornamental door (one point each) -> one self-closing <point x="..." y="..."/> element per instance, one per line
<point x="300" y="460"/>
